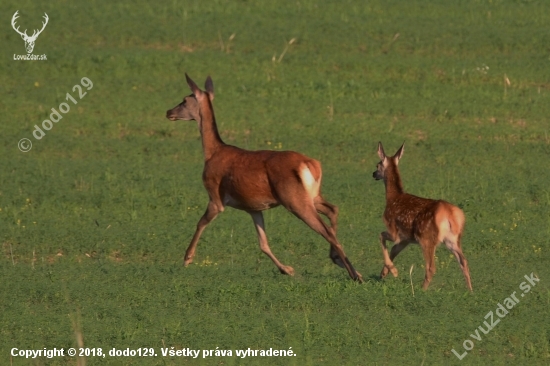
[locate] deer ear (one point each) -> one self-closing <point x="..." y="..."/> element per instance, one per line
<point x="194" y="88"/>
<point x="381" y="153"/>
<point x="399" y="152"/>
<point x="209" y="87"/>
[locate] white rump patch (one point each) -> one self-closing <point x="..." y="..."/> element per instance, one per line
<point x="445" y="232"/>
<point x="309" y="182"/>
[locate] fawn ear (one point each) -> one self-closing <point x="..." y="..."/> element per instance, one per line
<point x="194" y="88"/>
<point x="209" y="87"/>
<point x="381" y="153"/>
<point x="399" y="153"/>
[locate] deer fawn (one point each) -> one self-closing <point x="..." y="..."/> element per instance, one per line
<point x="411" y="219"/>
<point x="254" y="181"/>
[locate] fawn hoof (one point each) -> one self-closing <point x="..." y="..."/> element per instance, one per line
<point x="187" y="262"/>
<point x="359" y="277"/>
<point x="287" y="270"/>
<point x="387" y="269"/>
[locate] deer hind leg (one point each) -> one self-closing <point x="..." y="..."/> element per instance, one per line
<point x="308" y="214"/>
<point x="455" y="247"/>
<point x="258" y="218"/>
<point x="212" y="210"/>
<point x="388" y="264"/>
<point x="428" y="250"/>
<point x="329" y="210"/>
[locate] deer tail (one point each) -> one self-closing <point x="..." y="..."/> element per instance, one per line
<point x="457" y="220"/>
<point x="310" y="175"/>
<point x="450" y="222"/>
<point x="315" y="168"/>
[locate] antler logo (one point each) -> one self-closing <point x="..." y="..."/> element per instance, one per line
<point x="29" y="41"/>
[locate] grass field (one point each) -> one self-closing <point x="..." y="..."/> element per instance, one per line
<point x="95" y="219"/>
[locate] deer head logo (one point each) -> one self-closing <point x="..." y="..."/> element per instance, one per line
<point x="29" y="41"/>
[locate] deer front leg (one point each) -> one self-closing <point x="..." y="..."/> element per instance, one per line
<point x="258" y="218"/>
<point x="388" y="264"/>
<point x="212" y="211"/>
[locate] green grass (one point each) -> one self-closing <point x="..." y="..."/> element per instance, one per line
<point x="95" y="219"/>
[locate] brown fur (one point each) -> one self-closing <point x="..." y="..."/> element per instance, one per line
<point x="412" y="219"/>
<point x="254" y="181"/>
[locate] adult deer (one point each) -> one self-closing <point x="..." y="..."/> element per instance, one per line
<point x="29" y="40"/>
<point x="411" y="219"/>
<point x="254" y="181"/>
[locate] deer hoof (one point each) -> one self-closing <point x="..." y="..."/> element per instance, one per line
<point x="359" y="277"/>
<point x="387" y="269"/>
<point x="187" y="262"/>
<point x="287" y="270"/>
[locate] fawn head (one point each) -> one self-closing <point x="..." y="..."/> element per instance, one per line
<point x="188" y="109"/>
<point x="386" y="163"/>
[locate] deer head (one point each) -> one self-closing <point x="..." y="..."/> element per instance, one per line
<point x="29" y="41"/>
<point x="188" y="109"/>
<point x="386" y="162"/>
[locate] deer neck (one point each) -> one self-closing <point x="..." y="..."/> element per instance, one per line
<point x="211" y="140"/>
<point x="394" y="186"/>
